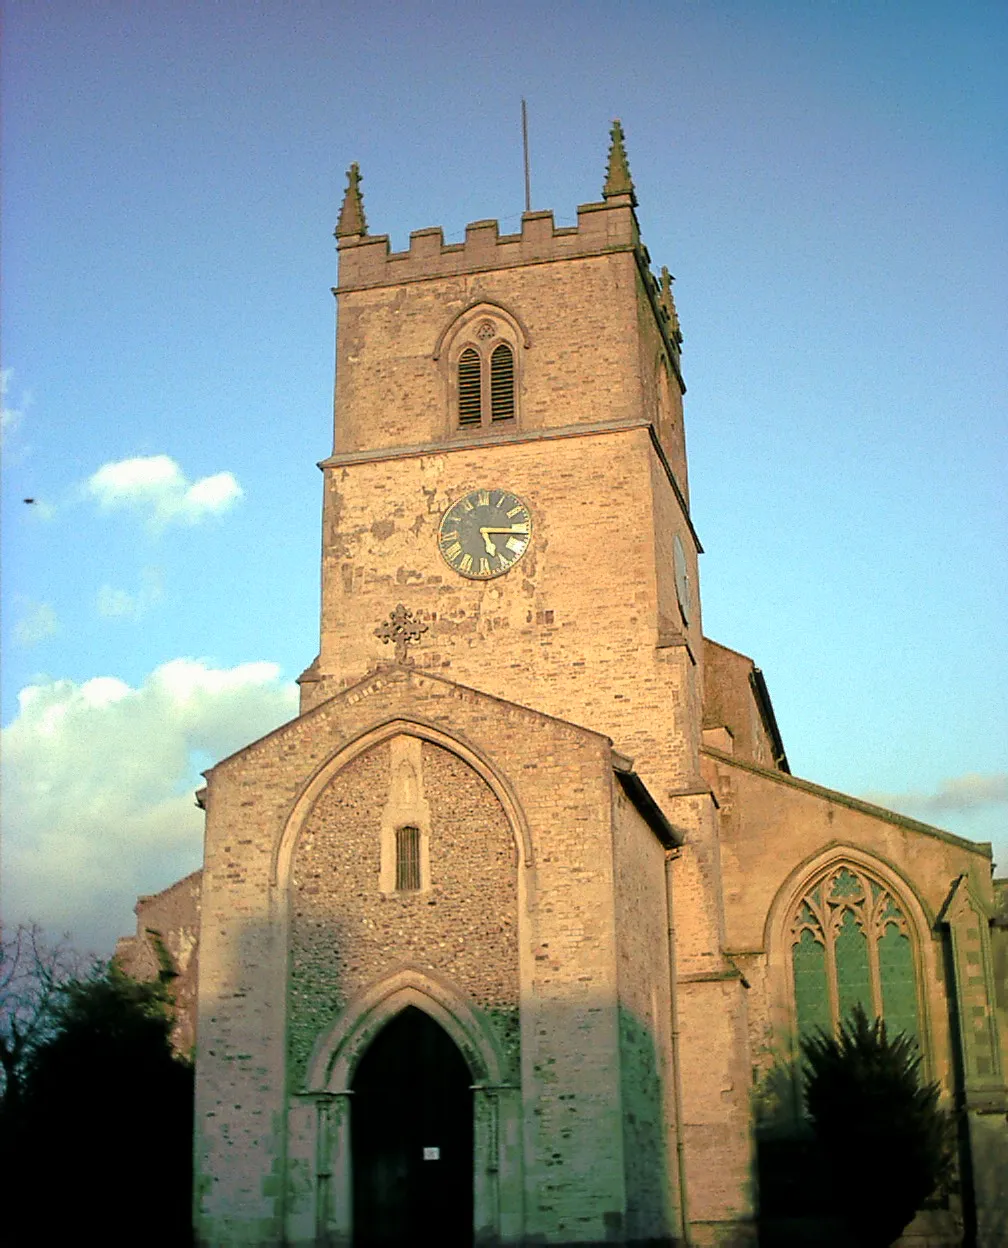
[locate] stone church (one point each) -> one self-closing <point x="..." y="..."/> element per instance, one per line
<point x="509" y="937"/>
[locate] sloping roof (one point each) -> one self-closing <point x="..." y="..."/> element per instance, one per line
<point x="649" y="810"/>
<point x="852" y="803"/>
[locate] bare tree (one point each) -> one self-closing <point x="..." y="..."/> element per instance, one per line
<point x="32" y="973"/>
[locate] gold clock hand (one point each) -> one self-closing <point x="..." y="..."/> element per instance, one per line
<point x="491" y="548"/>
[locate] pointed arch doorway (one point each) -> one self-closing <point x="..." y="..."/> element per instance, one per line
<point x="411" y="1133"/>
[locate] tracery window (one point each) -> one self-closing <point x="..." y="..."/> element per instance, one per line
<point x="851" y="944"/>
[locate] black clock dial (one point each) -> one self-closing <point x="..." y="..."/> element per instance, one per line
<point x="484" y="534"/>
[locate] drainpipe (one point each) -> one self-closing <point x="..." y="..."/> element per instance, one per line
<point x="670" y="857"/>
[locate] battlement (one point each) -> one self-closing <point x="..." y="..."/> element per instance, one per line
<point x="366" y="260"/>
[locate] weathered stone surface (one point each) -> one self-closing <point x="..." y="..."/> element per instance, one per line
<point x="612" y="957"/>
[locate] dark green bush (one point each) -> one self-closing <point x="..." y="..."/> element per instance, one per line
<point x="99" y="1143"/>
<point x="881" y="1134"/>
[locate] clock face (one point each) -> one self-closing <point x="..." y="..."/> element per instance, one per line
<point x="485" y="534"/>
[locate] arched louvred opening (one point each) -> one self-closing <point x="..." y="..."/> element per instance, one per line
<point x="502" y="400"/>
<point x="469" y="389"/>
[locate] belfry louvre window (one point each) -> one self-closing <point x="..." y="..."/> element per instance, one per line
<point x="470" y="389"/>
<point x="850" y="945"/>
<point x="407" y="859"/>
<point x="502" y="383"/>
<point x="486" y="386"/>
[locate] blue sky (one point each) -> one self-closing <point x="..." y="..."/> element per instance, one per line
<point x="827" y="182"/>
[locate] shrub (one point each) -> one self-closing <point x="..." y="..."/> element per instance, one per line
<point x="880" y="1131"/>
<point x="99" y="1144"/>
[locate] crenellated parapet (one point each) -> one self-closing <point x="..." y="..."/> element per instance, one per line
<point x="367" y="260"/>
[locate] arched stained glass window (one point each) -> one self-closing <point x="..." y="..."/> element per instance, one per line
<point x="850" y="945"/>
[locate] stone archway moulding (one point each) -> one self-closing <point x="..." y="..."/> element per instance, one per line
<point x="318" y="1121"/>
<point x="284" y="853"/>
<point x="336" y="1053"/>
<point x="470" y="312"/>
<point x="837" y="852"/>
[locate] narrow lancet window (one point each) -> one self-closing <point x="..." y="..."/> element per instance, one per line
<point x="502" y="403"/>
<point x="407" y="859"/>
<point x="469" y="389"/>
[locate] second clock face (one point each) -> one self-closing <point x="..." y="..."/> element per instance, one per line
<point x="485" y="533"/>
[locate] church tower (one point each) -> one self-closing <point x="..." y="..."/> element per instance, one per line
<point x="462" y="924"/>
<point x="544" y="366"/>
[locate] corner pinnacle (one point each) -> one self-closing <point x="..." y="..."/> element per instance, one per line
<point x="351" y="218"/>
<point x="667" y="304"/>
<point x="618" y="180"/>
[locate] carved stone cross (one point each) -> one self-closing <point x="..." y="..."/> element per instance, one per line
<point x="401" y="628"/>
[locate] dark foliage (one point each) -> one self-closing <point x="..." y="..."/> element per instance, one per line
<point x="886" y="1144"/>
<point x="32" y="972"/>
<point x="98" y="1142"/>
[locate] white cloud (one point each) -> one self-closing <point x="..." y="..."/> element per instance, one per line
<point x="10" y="417"/>
<point x="37" y="622"/>
<point x="969" y="791"/>
<point x="117" y="604"/>
<point x="960" y="794"/>
<point x="156" y="486"/>
<point x="971" y="805"/>
<point x="98" y="791"/>
<point x="120" y="604"/>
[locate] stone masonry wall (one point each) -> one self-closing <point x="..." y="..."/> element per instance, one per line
<point x="770" y="826"/>
<point x="346" y="933"/>
<point x="728" y="702"/>
<point x="662" y="389"/>
<point x="166" y="945"/>
<point x="571" y="629"/>
<point x="999" y="953"/>
<point x="579" y="366"/>
<point x="645" y="1006"/>
<point x="561" y="780"/>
